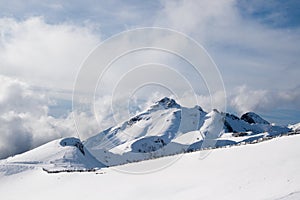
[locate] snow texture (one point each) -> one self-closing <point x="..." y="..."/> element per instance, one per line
<point x="165" y="129"/>
<point x="267" y="170"/>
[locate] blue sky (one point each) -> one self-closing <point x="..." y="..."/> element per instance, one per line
<point x="255" y="44"/>
<point x="273" y="13"/>
<point x="111" y="16"/>
<point x="114" y="16"/>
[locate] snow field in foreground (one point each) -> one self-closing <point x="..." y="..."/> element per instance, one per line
<point x="267" y="170"/>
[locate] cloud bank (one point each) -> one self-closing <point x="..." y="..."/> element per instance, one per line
<point x="25" y="120"/>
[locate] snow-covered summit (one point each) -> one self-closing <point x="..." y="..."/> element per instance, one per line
<point x="165" y="103"/>
<point x="165" y="127"/>
<point x="60" y="154"/>
<point x="165" y="120"/>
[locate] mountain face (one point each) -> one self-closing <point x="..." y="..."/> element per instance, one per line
<point x="157" y="126"/>
<point x="253" y="118"/>
<point x="166" y="128"/>
<point x="295" y="127"/>
<point x="60" y="154"/>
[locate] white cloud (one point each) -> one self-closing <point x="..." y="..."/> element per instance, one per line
<point x="245" y="50"/>
<point x="25" y="122"/>
<point x="44" y="54"/>
<point x="246" y="99"/>
<point x="258" y="63"/>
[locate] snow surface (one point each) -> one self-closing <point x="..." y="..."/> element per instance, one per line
<point x="59" y="154"/>
<point x="164" y="128"/>
<point x="295" y="127"/>
<point x="267" y="170"/>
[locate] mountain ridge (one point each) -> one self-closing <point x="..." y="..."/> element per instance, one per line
<point x="165" y="128"/>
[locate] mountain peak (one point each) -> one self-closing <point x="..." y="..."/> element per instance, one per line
<point x="253" y="118"/>
<point x="166" y="103"/>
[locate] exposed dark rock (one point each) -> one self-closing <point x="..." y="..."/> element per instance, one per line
<point x="239" y="134"/>
<point x="232" y="116"/>
<point x="167" y="103"/>
<point x="253" y="118"/>
<point x="73" y="142"/>
<point x="227" y="127"/>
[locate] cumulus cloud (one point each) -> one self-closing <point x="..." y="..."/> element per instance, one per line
<point x="246" y="50"/>
<point x="42" y="53"/>
<point x="246" y="99"/>
<point x="258" y="60"/>
<point x="24" y="119"/>
<point x="43" y="60"/>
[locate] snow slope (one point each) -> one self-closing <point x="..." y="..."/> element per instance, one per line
<point x="295" y="127"/>
<point x="164" y="128"/>
<point x="67" y="153"/>
<point x="264" y="171"/>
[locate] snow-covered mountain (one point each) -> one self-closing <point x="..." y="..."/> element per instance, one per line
<point x="61" y="154"/>
<point x="267" y="170"/>
<point x="295" y="127"/>
<point x="166" y="128"/>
